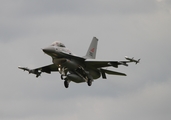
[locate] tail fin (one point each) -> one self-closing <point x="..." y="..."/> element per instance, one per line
<point x="91" y="53"/>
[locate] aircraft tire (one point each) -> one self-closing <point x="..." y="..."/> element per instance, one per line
<point x="66" y="84"/>
<point x="89" y="82"/>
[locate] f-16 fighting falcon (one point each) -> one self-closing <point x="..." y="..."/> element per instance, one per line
<point x="77" y="69"/>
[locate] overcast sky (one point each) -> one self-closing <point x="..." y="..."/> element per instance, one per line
<point x="134" y="28"/>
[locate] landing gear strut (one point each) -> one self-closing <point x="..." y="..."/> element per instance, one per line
<point x="63" y="77"/>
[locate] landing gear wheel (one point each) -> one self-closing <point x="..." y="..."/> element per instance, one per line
<point x="89" y="82"/>
<point x="66" y="83"/>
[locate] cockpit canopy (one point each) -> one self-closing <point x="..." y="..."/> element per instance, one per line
<point x="58" y="44"/>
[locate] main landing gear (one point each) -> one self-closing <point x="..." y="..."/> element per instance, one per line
<point x="76" y="78"/>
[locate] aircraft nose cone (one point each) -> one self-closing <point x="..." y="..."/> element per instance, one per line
<point x="48" y="49"/>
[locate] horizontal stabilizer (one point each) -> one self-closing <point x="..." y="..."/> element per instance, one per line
<point x="113" y="72"/>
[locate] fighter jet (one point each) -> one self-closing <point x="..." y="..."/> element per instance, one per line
<point x="77" y="69"/>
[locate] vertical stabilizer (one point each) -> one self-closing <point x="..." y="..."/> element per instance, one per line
<point x="91" y="53"/>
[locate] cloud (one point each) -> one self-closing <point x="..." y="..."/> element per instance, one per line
<point x="143" y="104"/>
<point x="38" y="8"/>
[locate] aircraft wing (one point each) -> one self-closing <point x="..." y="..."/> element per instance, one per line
<point x="48" y="68"/>
<point x="37" y="71"/>
<point x="99" y="64"/>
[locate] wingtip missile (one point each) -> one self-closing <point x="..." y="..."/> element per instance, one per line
<point x="132" y="59"/>
<point x="24" y="68"/>
<point x="138" y="61"/>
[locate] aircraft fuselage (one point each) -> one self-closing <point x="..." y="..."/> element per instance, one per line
<point x="77" y="69"/>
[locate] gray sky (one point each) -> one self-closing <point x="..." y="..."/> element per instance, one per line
<point x="139" y="29"/>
